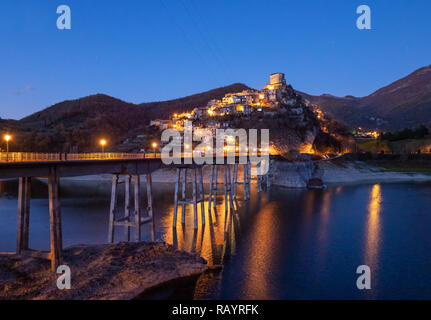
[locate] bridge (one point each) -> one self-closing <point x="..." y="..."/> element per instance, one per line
<point x="129" y="167"/>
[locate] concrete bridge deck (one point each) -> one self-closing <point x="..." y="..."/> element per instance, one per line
<point x="74" y="168"/>
<point x="71" y="165"/>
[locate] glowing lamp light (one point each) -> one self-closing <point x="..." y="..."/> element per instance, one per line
<point x="103" y="143"/>
<point x="154" y="145"/>
<point x="7" y="138"/>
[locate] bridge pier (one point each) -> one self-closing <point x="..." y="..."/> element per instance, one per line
<point x="55" y="220"/>
<point x="55" y="227"/>
<point x="23" y="219"/>
<point x="259" y="178"/>
<point x="245" y="182"/>
<point x="183" y="201"/>
<point x="128" y="220"/>
<point x="226" y="190"/>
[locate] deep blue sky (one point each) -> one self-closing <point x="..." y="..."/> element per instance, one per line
<point x="146" y="50"/>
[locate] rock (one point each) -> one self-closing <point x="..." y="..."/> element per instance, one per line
<point x="318" y="171"/>
<point x="291" y="174"/>
<point x="315" y="183"/>
<point x="113" y="271"/>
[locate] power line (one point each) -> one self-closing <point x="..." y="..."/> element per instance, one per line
<point x="214" y="42"/>
<point x="203" y="37"/>
<point x="186" y="38"/>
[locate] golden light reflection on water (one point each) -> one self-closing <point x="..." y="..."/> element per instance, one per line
<point x="324" y="213"/>
<point x="309" y="206"/>
<point x="261" y="252"/>
<point x="373" y="227"/>
<point x="213" y="241"/>
<point x="323" y="226"/>
<point x="309" y="203"/>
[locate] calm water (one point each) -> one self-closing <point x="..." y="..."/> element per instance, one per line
<point x="282" y="244"/>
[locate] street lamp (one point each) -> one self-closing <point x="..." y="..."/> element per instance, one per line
<point x="103" y="144"/>
<point x="7" y="138"/>
<point x="154" y="145"/>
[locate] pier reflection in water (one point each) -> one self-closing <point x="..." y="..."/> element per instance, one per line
<point x="213" y="241"/>
<point x="281" y="244"/>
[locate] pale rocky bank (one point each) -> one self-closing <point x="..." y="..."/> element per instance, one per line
<point x="296" y="174"/>
<point x="336" y="172"/>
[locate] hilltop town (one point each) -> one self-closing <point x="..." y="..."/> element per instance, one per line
<point x="266" y="102"/>
<point x="295" y="124"/>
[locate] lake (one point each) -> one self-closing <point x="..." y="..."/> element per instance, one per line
<point x="281" y="244"/>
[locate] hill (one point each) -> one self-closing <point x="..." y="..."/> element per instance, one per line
<point x="81" y="122"/>
<point x="75" y="113"/>
<point x="164" y="109"/>
<point x="404" y="103"/>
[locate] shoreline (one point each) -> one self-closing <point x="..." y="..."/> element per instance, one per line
<point x="290" y="174"/>
<point x="358" y="172"/>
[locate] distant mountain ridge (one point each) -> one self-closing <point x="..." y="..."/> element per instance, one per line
<point x="403" y="103"/>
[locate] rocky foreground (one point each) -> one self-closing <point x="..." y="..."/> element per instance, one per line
<point x="102" y="272"/>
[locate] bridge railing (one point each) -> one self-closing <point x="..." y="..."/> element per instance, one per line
<point x="33" y="156"/>
<point x="12" y="157"/>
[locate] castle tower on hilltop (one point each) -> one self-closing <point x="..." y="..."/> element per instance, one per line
<point x="276" y="81"/>
<point x="277" y="78"/>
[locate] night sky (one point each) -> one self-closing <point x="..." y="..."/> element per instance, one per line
<point x="142" y="51"/>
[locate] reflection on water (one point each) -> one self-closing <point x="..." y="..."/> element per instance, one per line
<point x="261" y="252"/>
<point x="281" y="244"/>
<point x="373" y="227"/>
<point x="322" y="234"/>
<point x="212" y="240"/>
